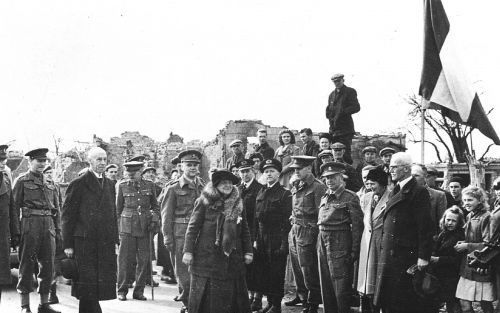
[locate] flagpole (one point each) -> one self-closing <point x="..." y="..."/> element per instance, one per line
<point x="422" y="131"/>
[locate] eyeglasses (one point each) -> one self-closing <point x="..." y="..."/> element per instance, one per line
<point x="392" y="167"/>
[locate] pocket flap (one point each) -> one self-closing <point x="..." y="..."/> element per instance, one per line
<point x="30" y="186"/>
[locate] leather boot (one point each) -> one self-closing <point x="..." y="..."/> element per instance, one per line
<point x="256" y="304"/>
<point x="53" y="299"/>
<point x="46" y="308"/>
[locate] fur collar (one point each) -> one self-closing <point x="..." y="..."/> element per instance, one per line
<point x="232" y="207"/>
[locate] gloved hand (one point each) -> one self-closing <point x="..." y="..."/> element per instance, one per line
<point x="14" y="241"/>
<point x="248" y="258"/>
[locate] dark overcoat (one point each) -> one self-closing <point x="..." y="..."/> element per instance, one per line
<point x="8" y="228"/>
<point x="273" y="211"/>
<point x="89" y="226"/>
<point x="341" y="104"/>
<point x="217" y="281"/>
<point x="406" y="236"/>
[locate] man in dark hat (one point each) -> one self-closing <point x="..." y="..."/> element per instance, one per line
<point x="369" y="154"/>
<point x="263" y="147"/>
<point x="9" y="225"/>
<point x="90" y="233"/>
<point x="310" y="148"/>
<point x="340" y="223"/>
<point x="249" y="188"/>
<point x="386" y="155"/>
<point x="236" y="147"/>
<point x="38" y="204"/>
<point x="307" y="192"/>
<point x="342" y="103"/>
<point x="111" y="172"/>
<point x="138" y="213"/>
<point x="176" y="209"/>
<point x="353" y="181"/>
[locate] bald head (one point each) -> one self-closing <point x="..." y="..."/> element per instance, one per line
<point x="98" y="159"/>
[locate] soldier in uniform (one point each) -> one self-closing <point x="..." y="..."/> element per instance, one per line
<point x="353" y="181"/>
<point x="248" y="188"/>
<point x="176" y="209"/>
<point x="38" y="203"/>
<point x="340" y="221"/>
<point x="237" y="148"/>
<point x="9" y="226"/>
<point x="307" y="193"/>
<point x="138" y="213"/>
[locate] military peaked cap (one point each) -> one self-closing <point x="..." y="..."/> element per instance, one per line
<point x="246" y="163"/>
<point x="301" y="161"/>
<point x="271" y="163"/>
<point x="332" y="168"/>
<point x="39" y="154"/>
<point x="190" y="156"/>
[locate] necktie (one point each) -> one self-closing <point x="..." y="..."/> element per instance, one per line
<point x="396" y="189"/>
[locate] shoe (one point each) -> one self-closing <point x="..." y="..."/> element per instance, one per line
<point x="177" y="298"/>
<point x="294" y="302"/>
<point x="256" y="304"/>
<point x="355" y="301"/>
<point x="139" y="297"/>
<point x="169" y="280"/>
<point x="122" y="297"/>
<point x="46" y="308"/>
<point x="53" y="299"/>
<point x="25" y="309"/>
<point x="184" y="309"/>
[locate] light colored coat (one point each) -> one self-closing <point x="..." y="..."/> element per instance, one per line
<point x="370" y="241"/>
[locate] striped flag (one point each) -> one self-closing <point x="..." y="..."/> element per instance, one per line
<point x="443" y="83"/>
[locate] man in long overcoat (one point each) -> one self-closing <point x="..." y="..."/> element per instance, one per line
<point x="90" y="234"/>
<point x="406" y="240"/>
<point x="342" y="103"/>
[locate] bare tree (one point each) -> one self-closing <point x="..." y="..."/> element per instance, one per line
<point x="57" y="143"/>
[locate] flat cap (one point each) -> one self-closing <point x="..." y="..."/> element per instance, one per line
<point x="244" y="164"/>
<point x="190" y="156"/>
<point x="111" y="166"/>
<point x="256" y="155"/>
<point x="458" y="179"/>
<point x="139" y="158"/>
<point x="235" y="142"/>
<point x="3" y="152"/>
<point x="271" y="163"/>
<point x="332" y="168"/>
<point x="47" y="168"/>
<point x="337" y="76"/>
<point x="133" y="166"/>
<point x="325" y="153"/>
<point x="301" y="161"/>
<point x="148" y="168"/>
<point x="338" y="146"/>
<point x="39" y="154"/>
<point x="369" y="149"/>
<point x="386" y="150"/>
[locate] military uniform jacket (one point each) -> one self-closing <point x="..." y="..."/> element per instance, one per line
<point x="178" y="204"/>
<point x="307" y="196"/>
<point x="234" y="159"/>
<point x="341" y="211"/>
<point x="273" y="210"/>
<point x="341" y="104"/>
<point x="248" y="196"/>
<point x="135" y="205"/>
<point x="30" y="192"/>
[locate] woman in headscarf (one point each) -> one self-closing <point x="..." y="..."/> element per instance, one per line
<point x="284" y="154"/>
<point x="373" y="204"/>
<point x="217" y="247"/>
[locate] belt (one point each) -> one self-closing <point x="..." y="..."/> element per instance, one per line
<point x="38" y="212"/>
<point x="303" y="221"/>
<point x="335" y="227"/>
<point x="181" y="220"/>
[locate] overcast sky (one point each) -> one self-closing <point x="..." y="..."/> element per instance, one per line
<point x="72" y="68"/>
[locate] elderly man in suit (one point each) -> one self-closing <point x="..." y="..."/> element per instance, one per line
<point x="406" y="240"/>
<point x="90" y="233"/>
<point x="437" y="197"/>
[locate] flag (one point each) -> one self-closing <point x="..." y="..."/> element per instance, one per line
<point x="443" y="83"/>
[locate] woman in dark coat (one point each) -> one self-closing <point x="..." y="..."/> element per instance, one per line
<point x="217" y="247"/>
<point x="90" y="233"/>
<point x="273" y="210"/>
<point x="9" y="228"/>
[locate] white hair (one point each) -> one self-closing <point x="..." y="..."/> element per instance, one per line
<point x="401" y="158"/>
<point x="94" y="152"/>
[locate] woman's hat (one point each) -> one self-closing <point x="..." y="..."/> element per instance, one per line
<point x="219" y="175"/>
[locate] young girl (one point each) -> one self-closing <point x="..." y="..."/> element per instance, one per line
<point x="473" y="285"/>
<point x="445" y="260"/>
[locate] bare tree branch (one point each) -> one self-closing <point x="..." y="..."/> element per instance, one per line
<point x="487" y="149"/>
<point x="438" y="154"/>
